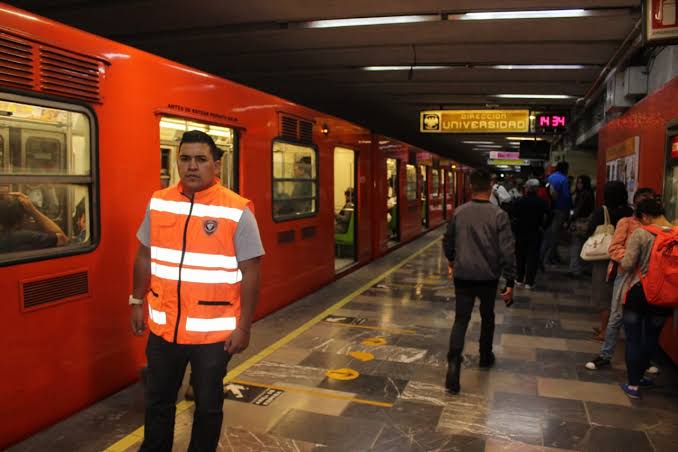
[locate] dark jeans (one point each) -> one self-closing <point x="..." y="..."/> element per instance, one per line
<point x="549" y="245"/>
<point x="527" y="257"/>
<point x="643" y="324"/>
<point x="166" y="366"/>
<point x="464" y="307"/>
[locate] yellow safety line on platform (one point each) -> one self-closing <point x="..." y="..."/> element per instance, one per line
<point x="138" y="434"/>
<point x="315" y="393"/>
<point x="376" y="328"/>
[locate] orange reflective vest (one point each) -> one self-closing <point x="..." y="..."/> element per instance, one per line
<point x="194" y="296"/>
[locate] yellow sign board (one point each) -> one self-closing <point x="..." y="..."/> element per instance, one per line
<point x="623" y="149"/>
<point x="509" y="162"/>
<point x="343" y="374"/>
<point x="474" y="121"/>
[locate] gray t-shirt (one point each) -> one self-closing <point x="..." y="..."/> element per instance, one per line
<point x="247" y="239"/>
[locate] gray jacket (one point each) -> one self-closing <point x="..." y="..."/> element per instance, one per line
<point x="480" y="243"/>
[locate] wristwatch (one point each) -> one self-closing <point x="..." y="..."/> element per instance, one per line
<point x="133" y="301"/>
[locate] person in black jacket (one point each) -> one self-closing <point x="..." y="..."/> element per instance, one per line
<point x="530" y="214"/>
<point x="616" y="202"/>
<point x="579" y="221"/>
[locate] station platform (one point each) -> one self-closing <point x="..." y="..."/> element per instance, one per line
<point x="360" y="365"/>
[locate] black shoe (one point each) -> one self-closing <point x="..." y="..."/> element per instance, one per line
<point x="487" y="360"/>
<point x="598" y="363"/>
<point x="453" y="373"/>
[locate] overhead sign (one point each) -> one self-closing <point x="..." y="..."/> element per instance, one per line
<point x="550" y="122"/>
<point x="508" y="162"/>
<point x="504" y="155"/>
<point x="475" y="121"/>
<point x="661" y="20"/>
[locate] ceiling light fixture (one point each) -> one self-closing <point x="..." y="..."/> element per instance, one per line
<point x="403" y="68"/>
<point x="524" y="139"/>
<point x="490" y="146"/>
<point x="538" y="67"/>
<point x="366" y="21"/>
<point x="478" y="142"/>
<point x="543" y="14"/>
<point x="532" y="96"/>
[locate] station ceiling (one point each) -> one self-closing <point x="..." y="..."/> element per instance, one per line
<point x="443" y="60"/>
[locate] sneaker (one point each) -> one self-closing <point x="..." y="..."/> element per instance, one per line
<point x="646" y="383"/>
<point x="598" y="363"/>
<point x="487" y="360"/>
<point x="652" y="370"/>
<point x="632" y="393"/>
<point x="529" y="286"/>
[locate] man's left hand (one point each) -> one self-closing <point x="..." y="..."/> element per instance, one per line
<point x="238" y="342"/>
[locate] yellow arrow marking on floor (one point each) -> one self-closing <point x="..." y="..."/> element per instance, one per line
<point x="375" y="341"/>
<point x="343" y="374"/>
<point x="362" y="356"/>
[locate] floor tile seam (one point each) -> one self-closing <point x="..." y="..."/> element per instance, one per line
<point x="182" y="406"/>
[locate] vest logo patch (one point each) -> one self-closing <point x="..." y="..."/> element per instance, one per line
<point x="210" y="226"/>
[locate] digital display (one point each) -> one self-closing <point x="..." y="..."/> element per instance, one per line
<point x="551" y="121"/>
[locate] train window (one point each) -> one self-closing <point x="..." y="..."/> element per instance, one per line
<point x="295" y="181"/>
<point x="411" y="187"/>
<point x="171" y="131"/>
<point x="435" y="183"/>
<point x="46" y="182"/>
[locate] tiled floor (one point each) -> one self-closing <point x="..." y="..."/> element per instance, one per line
<point x="538" y="397"/>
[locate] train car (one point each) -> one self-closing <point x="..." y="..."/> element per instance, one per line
<point x="640" y="148"/>
<point x="89" y="128"/>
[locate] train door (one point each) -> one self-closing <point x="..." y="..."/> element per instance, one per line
<point x="671" y="177"/>
<point x="345" y="208"/>
<point x="171" y="131"/>
<point x="392" y="201"/>
<point x="423" y="196"/>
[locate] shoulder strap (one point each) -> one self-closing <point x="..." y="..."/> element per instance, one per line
<point x="607" y="215"/>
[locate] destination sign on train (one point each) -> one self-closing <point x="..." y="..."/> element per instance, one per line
<point x="475" y="121"/>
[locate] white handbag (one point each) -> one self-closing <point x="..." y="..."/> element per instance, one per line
<point x="595" y="248"/>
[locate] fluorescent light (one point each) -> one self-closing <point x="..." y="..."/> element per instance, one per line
<point x="365" y="21"/>
<point x="532" y="96"/>
<point x="538" y="67"/>
<point x="490" y="146"/>
<point x="544" y="14"/>
<point x="514" y="143"/>
<point x="478" y="142"/>
<point x="524" y="139"/>
<point x="219" y="133"/>
<point x="403" y="68"/>
<point x="172" y="125"/>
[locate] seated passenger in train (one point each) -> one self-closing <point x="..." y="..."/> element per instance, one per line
<point x="80" y="222"/>
<point x="343" y="218"/>
<point x="16" y="212"/>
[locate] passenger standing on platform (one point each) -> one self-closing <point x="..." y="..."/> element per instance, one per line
<point x="643" y="322"/>
<point x="530" y="215"/>
<point x="615" y="198"/>
<point x="625" y="228"/>
<point x="500" y="196"/>
<point x="479" y="247"/>
<point x="198" y="269"/>
<point x="579" y="222"/>
<point x="559" y="188"/>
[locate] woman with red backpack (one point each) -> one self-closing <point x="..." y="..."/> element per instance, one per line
<point x="652" y="254"/>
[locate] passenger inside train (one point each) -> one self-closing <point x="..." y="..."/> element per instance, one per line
<point x="342" y="219"/>
<point x="24" y="227"/>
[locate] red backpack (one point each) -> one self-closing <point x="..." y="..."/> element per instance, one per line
<point x="660" y="284"/>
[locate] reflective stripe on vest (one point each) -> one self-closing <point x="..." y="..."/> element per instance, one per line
<point x="199" y="210"/>
<point x="208" y="325"/>
<point x="194" y="259"/>
<point x="195" y="275"/>
<point x="158" y="317"/>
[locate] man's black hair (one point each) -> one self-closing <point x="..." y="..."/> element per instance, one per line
<point x="644" y="191"/>
<point x="11" y="212"/>
<point x="480" y="180"/>
<point x="651" y="207"/>
<point x="197" y="136"/>
<point x="562" y="167"/>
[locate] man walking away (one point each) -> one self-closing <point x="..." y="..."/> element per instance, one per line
<point x="559" y="187"/>
<point x="530" y="214"/>
<point x="479" y="246"/>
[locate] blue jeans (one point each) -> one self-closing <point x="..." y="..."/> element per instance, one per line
<point x="643" y="326"/>
<point x="550" y="244"/>
<point x="615" y="322"/>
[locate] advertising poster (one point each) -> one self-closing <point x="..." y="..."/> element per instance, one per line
<point x="622" y="164"/>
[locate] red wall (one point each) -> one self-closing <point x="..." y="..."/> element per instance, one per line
<point x="648" y="119"/>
